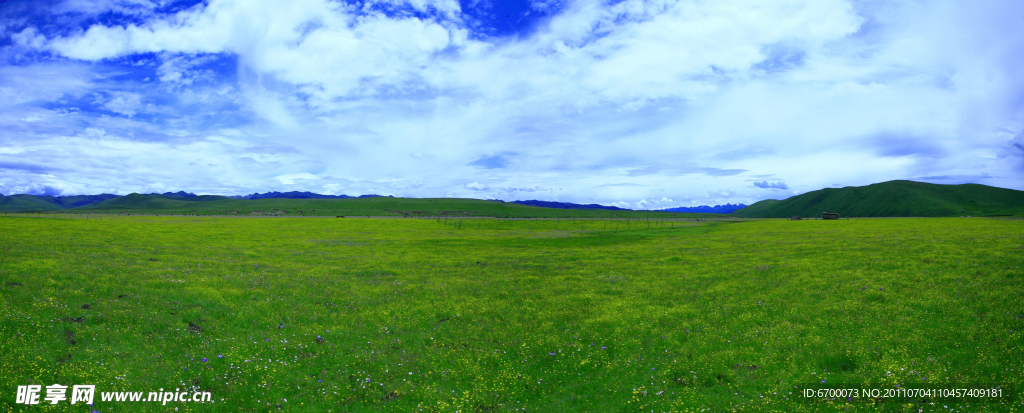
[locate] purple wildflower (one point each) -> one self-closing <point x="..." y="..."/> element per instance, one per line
<point x="367" y="379"/>
<point x="551" y="354"/>
<point x="220" y="355"/>
<point x="603" y="347"/>
<point x="204" y="360"/>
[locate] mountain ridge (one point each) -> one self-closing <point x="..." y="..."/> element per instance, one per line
<point x="898" y="198"/>
<point x="717" y="209"/>
<point x="567" y="205"/>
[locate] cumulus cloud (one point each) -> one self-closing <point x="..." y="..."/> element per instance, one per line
<point x="655" y="204"/>
<point x="628" y="101"/>
<point x="29" y="37"/>
<point x="35" y="189"/>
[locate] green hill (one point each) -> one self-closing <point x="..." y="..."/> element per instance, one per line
<point x="17" y="203"/>
<point x="894" y="199"/>
<point x="136" y="201"/>
<point x="14" y="203"/>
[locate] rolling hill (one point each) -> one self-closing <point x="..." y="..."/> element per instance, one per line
<point x="27" y="203"/>
<point x="171" y="204"/>
<point x="48" y="203"/>
<point x="895" y="199"/>
<point x="886" y="199"/>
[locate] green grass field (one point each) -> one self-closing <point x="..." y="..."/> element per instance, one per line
<point x="402" y="315"/>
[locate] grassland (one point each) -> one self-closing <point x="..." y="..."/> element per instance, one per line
<point x="895" y="199"/>
<point x="397" y="315"/>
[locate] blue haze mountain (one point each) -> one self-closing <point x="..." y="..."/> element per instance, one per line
<point x="300" y="195"/>
<point x="567" y="205"/>
<point x="717" y="209"/>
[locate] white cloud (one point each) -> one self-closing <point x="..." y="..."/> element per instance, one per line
<point x="125" y="103"/>
<point x="686" y="97"/>
<point x="771" y="185"/>
<point x="655" y="204"/>
<point x="29" y="37"/>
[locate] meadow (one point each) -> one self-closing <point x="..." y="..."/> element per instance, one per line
<point x="489" y="315"/>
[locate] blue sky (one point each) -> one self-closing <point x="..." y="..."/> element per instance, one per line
<point x="635" y="103"/>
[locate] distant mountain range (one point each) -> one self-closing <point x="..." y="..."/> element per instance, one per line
<point x="301" y="195"/>
<point x="717" y="209"/>
<point x="25" y="202"/>
<point x="49" y="203"/>
<point x="567" y="205"/>
<point x="894" y="199"/>
<point x="886" y="199"/>
<point x="179" y="194"/>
